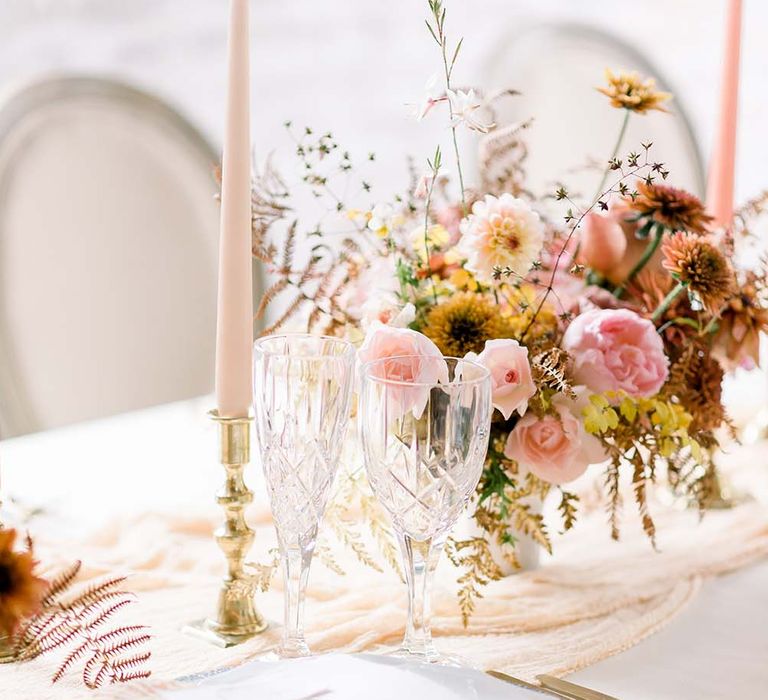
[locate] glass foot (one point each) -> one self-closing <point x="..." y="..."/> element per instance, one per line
<point x="430" y="656"/>
<point x="294" y="650"/>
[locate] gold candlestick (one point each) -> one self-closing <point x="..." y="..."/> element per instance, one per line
<point x="237" y="619"/>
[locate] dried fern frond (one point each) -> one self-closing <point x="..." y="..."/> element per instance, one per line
<point x="530" y="523"/>
<point x="474" y="556"/>
<point x="61" y="583"/>
<point x="550" y="369"/>
<point x="612" y="483"/>
<point x="382" y="534"/>
<point x="344" y="529"/>
<point x="325" y="555"/>
<point x="261" y="574"/>
<point x="502" y="155"/>
<point x="74" y="618"/>
<point x="568" y="509"/>
<point x="293" y="307"/>
<point x="268" y="205"/>
<point x="639" y="484"/>
<point x="745" y="216"/>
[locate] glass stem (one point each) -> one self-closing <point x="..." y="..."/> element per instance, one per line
<point x="296" y="573"/>
<point x="420" y="559"/>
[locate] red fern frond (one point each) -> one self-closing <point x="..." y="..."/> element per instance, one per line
<point x="92" y="593"/>
<point x="61" y="583"/>
<point x="118" y="634"/>
<point x="73" y="622"/>
<point x="124" y="645"/>
<point x="101" y="614"/>
<point x="73" y="656"/>
<point x="130" y="663"/>
<point x="91" y="681"/>
<point x="125" y="677"/>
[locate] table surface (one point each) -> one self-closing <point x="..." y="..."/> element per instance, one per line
<point x="163" y="459"/>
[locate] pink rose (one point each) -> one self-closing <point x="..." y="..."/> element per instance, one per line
<point x="511" y="380"/>
<point x="616" y="350"/>
<point x="603" y="243"/>
<point x="414" y="359"/>
<point x="556" y="448"/>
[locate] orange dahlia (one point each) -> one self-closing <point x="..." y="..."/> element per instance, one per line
<point x="672" y="208"/>
<point x="698" y="263"/>
<point x="743" y="319"/>
<point x="20" y="589"/>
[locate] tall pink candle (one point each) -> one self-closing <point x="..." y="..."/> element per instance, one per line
<point x="234" y="328"/>
<point x="721" y="170"/>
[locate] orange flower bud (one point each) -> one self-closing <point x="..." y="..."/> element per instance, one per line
<point x="603" y="243"/>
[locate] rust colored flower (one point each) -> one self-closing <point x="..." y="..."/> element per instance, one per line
<point x="650" y="288"/>
<point x="742" y="320"/>
<point x="699" y="264"/>
<point x="633" y="92"/>
<point x="20" y="589"/>
<point x="697" y="380"/>
<point x="673" y="208"/>
<point x="463" y="323"/>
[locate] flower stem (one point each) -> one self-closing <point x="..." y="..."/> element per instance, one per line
<point x="447" y="70"/>
<point x="616" y="148"/>
<point x="662" y="308"/>
<point x="458" y="168"/>
<point x="435" y="165"/>
<point x="640" y="264"/>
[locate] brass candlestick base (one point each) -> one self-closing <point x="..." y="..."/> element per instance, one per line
<point x="237" y="619"/>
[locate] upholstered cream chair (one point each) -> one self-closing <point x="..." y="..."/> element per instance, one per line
<point x="108" y="247"/>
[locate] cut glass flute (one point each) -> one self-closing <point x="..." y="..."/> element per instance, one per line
<point x="424" y="445"/>
<point x="302" y="391"/>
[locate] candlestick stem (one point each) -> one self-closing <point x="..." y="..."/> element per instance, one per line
<point x="236" y="619"/>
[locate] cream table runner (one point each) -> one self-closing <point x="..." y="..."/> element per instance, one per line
<point x="594" y="599"/>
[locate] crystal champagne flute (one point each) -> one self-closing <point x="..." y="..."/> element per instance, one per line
<point x="424" y="444"/>
<point x="302" y="390"/>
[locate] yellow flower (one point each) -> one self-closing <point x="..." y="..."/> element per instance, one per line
<point x="463" y="322"/>
<point x="382" y="219"/>
<point x="521" y="309"/>
<point x="437" y="237"/>
<point x="633" y="92"/>
<point x="463" y="280"/>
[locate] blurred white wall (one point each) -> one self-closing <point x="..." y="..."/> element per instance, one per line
<point x="351" y="66"/>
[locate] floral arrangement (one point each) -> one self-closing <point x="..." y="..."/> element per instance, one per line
<point x="39" y="616"/>
<point x="607" y="327"/>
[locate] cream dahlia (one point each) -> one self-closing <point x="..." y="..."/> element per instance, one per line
<point x="501" y="232"/>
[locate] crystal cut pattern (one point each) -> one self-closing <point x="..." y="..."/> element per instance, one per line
<point x="302" y="392"/>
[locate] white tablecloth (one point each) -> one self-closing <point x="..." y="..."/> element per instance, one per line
<point x="164" y="459"/>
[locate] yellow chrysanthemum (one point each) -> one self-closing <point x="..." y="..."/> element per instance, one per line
<point x="463" y="323"/>
<point x="521" y="309"/>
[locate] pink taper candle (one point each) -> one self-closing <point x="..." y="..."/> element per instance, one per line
<point x="234" y="328"/>
<point x="721" y="170"/>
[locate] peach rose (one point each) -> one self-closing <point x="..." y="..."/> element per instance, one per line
<point x="511" y="380"/>
<point x="616" y="350"/>
<point x="556" y="448"/>
<point x="414" y="359"/>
